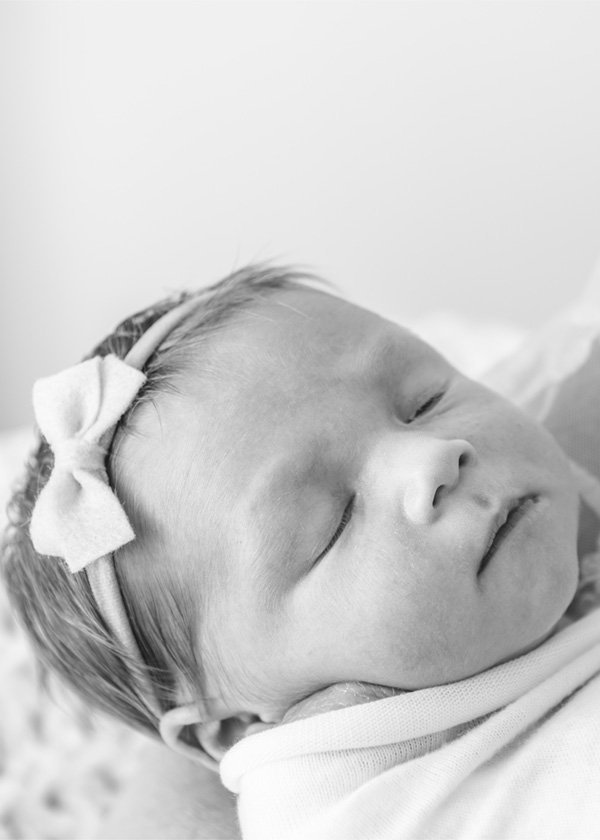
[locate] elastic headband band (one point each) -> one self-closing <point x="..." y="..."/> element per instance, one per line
<point x="77" y="516"/>
<point x="102" y="574"/>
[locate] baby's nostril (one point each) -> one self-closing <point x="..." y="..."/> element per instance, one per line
<point x="464" y="459"/>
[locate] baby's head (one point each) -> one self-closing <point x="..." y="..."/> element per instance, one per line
<point x="314" y="492"/>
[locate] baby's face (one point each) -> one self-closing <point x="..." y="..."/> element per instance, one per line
<point x="347" y="482"/>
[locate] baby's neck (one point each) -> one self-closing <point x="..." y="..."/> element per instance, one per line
<point x="338" y="696"/>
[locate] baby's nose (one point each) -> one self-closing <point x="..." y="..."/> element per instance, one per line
<point x="436" y="469"/>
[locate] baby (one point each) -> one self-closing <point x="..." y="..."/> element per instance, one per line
<point x="318" y="499"/>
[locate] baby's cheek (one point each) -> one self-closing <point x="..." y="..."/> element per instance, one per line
<point x="524" y="436"/>
<point x="393" y="625"/>
<point x="332" y="625"/>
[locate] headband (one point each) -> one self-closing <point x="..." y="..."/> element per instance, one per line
<point x="77" y="516"/>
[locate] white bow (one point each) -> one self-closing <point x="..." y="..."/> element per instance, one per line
<point x="77" y="516"/>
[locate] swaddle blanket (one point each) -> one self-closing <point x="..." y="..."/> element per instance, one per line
<point x="510" y="753"/>
<point x="513" y="752"/>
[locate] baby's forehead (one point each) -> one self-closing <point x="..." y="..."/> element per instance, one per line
<point x="301" y="333"/>
<point x="269" y="369"/>
<point x="271" y="366"/>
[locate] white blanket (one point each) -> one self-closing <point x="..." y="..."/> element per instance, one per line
<point x="510" y="753"/>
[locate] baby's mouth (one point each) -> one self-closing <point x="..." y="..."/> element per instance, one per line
<point x="503" y="524"/>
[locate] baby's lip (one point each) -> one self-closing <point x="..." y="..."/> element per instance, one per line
<point x="493" y="534"/>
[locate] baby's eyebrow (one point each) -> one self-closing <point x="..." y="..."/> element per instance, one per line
<point x="374" y="352"/>
<point x="368" y="357"/>
<point x="282" y="475"/>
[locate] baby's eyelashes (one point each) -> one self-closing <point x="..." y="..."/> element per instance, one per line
<point x="426" y="406"/>
<point x="346" y="516"/>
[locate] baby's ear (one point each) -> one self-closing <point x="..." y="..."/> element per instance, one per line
<point x="206" y="741"/>
<point x="218" y="736"/>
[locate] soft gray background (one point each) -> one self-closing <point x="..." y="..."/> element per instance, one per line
<point x="422" y="155"/>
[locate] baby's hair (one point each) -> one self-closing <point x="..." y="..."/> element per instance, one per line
<point x="56" y="608"/>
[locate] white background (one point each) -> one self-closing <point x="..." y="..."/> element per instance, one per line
<point x="424" y="156"/>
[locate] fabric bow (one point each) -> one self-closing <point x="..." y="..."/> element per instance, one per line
<point x="77" y="516"/>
